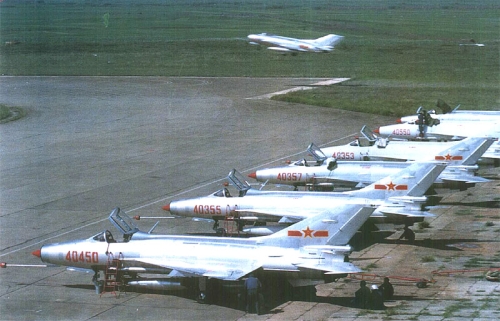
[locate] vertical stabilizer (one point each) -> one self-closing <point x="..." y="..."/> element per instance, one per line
<point x="465" y="152"/>
<point x="414" y="180"/>
<point x="328" y="40"/>
<point x="335" y="226"/>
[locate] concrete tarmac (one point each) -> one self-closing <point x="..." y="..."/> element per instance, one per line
<point x="89" y="144"/>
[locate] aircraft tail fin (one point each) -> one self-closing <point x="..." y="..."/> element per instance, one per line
<point x="328" y="40"/>
<point x="334" y="227"/>
<point x="414" y="180"/>
<point x="465" y="152"/>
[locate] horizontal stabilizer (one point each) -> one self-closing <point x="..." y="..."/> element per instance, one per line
<point x="402" y="211"/>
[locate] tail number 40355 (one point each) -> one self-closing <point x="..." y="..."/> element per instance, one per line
<point x="207" y="209"/>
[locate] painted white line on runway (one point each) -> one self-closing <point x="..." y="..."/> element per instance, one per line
<point x="164" y="199"/>
<point x="320" y="83"/>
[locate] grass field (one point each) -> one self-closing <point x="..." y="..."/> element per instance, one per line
<point x="399" y="54"/>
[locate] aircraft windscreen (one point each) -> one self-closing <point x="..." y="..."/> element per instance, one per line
<point x="301" y="162"/>
<point x="222" y="193"/>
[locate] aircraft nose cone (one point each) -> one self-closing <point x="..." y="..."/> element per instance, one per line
<point x="166" y="207"/>
<point x="377" y="130"/>
<point x="398" y="121"/>
<point x="37" y="253"/>
<point x="253" y="175"/>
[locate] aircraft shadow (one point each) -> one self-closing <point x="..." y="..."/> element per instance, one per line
<point x="483" y="204"/>
<point x="269" y="304"/>
<point x="361" y="241"/>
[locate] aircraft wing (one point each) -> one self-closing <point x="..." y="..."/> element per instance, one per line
<point x="331" y="267"/>
<point x="284" y="212"/>
<point x="387" y="210"/>
<point x="226" y="270"/>
<point x="466" y="179"/>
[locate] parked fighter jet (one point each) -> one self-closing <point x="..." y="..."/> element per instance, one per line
<point x="308" y="253"/>
<point x="451" y="115"/>
<point x="285" y="44"/>
<point x="326" y="172"/>
<point x="378" y="148"/>
<point x="445" y="130"/>
<point x="399" y="199"/>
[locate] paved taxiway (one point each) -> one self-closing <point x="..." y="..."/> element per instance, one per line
<point x="89" y="144"/>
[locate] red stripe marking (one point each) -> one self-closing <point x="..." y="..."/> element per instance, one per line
<point x="320" y="234"/>
<point x="294" y="233"/>
<point x="401" y="187"/>
<point x="379" y="186"/>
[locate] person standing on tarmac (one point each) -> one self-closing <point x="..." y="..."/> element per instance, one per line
<point x="387" y="289"/>
<point x="252" y="288"/>
<point x="362" y="296"/>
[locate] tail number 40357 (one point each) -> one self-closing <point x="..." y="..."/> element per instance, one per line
<point x="289" y="177"/>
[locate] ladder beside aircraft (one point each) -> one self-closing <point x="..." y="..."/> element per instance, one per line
<point x="230" y="222"/>
<point x="111" y="279"/>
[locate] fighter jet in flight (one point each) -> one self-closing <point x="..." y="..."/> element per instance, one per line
<point x="373" y="148"/>
<point x="285" y="44"/>
<point x="325" y="173"/>
<point x="305" y="254"/>
<point x="399" y="199"/>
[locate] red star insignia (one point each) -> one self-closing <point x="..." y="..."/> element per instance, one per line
<point x="448" y="157"/>
<point x="391" y="186"/>
<point x="308" y="232"/>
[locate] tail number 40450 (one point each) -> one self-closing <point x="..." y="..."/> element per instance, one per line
<point x="82" y="256"/>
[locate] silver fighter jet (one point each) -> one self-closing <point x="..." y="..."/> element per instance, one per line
<point x="399" y="199"/>
<point x="310" y="252"/>
<point x="285" y="44"/>
<point x="325" y="173"/>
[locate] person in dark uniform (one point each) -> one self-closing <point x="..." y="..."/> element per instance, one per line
<point x="387" y="289"/>
<point x="408" y="234"/>
<point x="362" y="296"/>
<point x="421" y="122"/>
<point x="376" y="298"/>
<point x="252" y="288"/>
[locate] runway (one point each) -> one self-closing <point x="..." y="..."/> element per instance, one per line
<point x="89" y="144"/>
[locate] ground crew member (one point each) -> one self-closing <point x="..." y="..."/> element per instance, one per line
<point x="362" y="296"/>
<point x="408" y="234"/>
<point x="252" y="288"/>
<point x="387" y="289"/>
<point x="376" y="299"/>
<point x="421" y="122"/>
